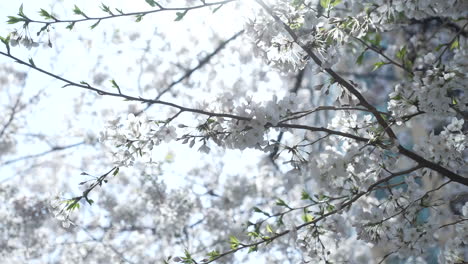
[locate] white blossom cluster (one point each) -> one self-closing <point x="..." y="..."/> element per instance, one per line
<point x="251" y="134"/>
<point x="336" y="183"/>
<point x="135" y="137"/>
<point x="447" y="147"/>
<point x="433" y="91"/>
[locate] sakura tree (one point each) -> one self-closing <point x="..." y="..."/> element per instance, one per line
<point x="235" y="131"/>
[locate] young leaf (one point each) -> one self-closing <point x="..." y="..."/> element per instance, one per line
<point x="234" y="242"/>
<point x="139" y="17"/>
<point x="21" y="13"/>
<point x="217" y="8"/>
<point x="32" y="62"/>
<point x="14" y="20"/>
<point x="114" y="84"/>
<point x="439" y="47"/>
<point x="42" y="29"/>
<point x="269" y="229"/>
<point x="401" y="53"/>
<point x="329" y="3"/>
<point x="96" y="24"/>
<point x="106" y="9"/>
<point x="180" y="15"/>
<point x="78" y="11"/>
<point x="213" y="254"/>
<point x="6" y="41"/>
<point x="151" y="3"/>
<point x="378" y="65"/>
<point x="307" y="218"/>
<point x="85" y="83"/>
<point x="252" y="249"/>
<point x="281" y="202"/>
<point x="45" y="14"/>
<point x="258" y="210"/>
<point x="70" y="26"/>
<point x="360" y="58"/>
<point x="325" y="3"/>
<point x="90" y="201"/>
<point x="455" y="44"/>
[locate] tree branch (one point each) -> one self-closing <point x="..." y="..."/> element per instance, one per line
<point x="362" y="101"/>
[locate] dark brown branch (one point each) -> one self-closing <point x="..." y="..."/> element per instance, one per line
<point x="322" y="129"/>
<point x="142" y="13"/>
<point x="181" y="108"/>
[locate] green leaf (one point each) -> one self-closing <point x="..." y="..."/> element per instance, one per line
<point x="32" y="62"/>
<point x="217" y="8"/>
<point x="234" y="242"/>
<point x="116" y="171"/>
<point x="253" y="234"/>
<point x="114" y="84"/>
<point x="90" y="201"/>
<point x="305" y="196"/>
<point x="6" y="41"/>
<point x="14" y="20"/>
<point x="269" y="229"/>
<point x="325" y="3"/>
<point x="360" y="58"/>
<point x="120" y="11"/>
<point x="455" y="44"/>
<point x="187" y="254"/>
<point x="151" y="3"/>
<point x="106" y="9"/>
<point x="42" y="29"/>
<point x="73" y="205"/>
<point x="307" y="218"/>
<point x="397" y="97"/>
<point x="297" y="3"/>
<point x="213" y="254"/>
<point x="378" y="65"/>
<point x="329" y="3"/>
<point x="180" y="15"/>
<point x="45" y="14"/>
<point x="3" y="40"/>
<point x="258" y="210"/>
<point x="279" y="221"/>
<point x="376" y="40"/>
<point x="439" y="47"/>
<point x="21" y="13"/>
<point x="96" y="24"/>
<point x="281" y="202"/>
<point x="336" y="2"/>
<point x="252" y="249"/>
<point x="78" y="11"/>
<point x="139" y="17"/>
<point x="401" y="53"/>
<point x="70" y="26"/>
